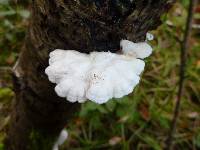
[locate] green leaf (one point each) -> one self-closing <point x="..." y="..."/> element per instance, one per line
<point x="151" y="141"/>
<point x="102" y="109"/>
<point x="110" y="105"/>
<point x="4" y="2"/>
<point x="197" y="140"/>
<point x="24" y="13"/>
<point x="95" y="122"/>
<point x="5" y="92"/>
<point x="7" y="13"/>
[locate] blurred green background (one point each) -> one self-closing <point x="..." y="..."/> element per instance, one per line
<point x="138" y="121"/>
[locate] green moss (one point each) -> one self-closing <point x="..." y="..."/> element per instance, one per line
<point x="6" y="93"/>
<point x="40" y="140"/>
<point x="1" y="146"/>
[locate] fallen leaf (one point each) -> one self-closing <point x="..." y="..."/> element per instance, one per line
<point x="144" y="112"/>
<point x="193" y="115"/>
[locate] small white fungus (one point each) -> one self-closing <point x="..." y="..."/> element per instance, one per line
<point x="149" y="37"/>
<point x="61" y="139"/>
<point x="137" y="50"/>
<point x="98" y="76"/>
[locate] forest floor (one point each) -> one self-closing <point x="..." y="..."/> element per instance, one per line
<point x="140" y="120"/>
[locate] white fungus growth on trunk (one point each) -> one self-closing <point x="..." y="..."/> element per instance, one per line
<point x="98" y="76"/>
<point x="61" y="139"/>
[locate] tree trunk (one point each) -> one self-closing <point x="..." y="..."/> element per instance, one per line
<point x="84" y="25"/>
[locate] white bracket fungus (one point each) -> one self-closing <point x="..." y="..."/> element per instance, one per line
<point x="98" y="76"/>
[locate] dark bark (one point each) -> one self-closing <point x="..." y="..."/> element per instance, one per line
<point x="84" y="25"/>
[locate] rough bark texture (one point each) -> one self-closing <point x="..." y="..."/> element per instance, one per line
<point x="84" y="25"/>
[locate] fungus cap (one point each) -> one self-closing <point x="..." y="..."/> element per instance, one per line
<point x="98" y="76"/>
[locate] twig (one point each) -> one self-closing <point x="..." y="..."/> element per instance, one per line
<point x="5" y="69"/>
<point x="183" y="57"/>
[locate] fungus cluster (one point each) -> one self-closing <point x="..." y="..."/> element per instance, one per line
<point x="98" y="76"/>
